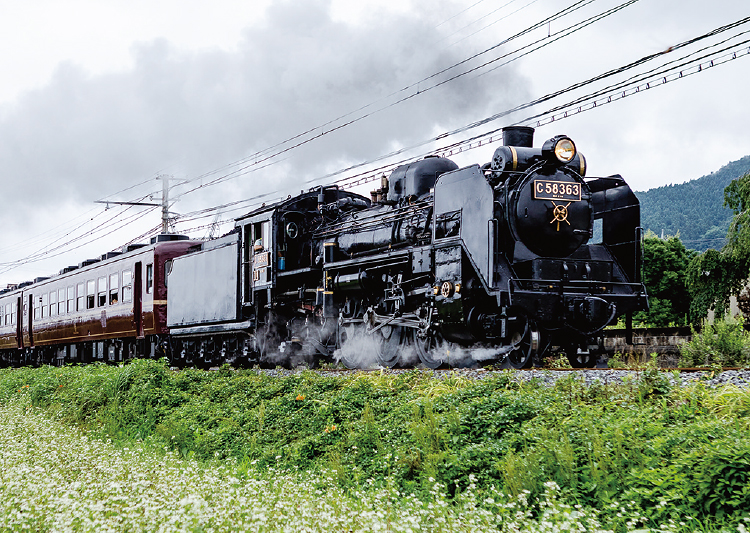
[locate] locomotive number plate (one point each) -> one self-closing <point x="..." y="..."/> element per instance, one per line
<point x="557" y="190"/>
<point x="262" y="259"/>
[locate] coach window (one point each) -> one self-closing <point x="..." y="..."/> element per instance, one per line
<point x="90" y="294"/>
<point x="12" y="314"/>
<point x="127" y="285"/>
<point x="149" y="278"/>
<point x="71" y="299"/>
<point x="53" y="303"/>
<point x="7" y="314"/>
<point x="37" y="307"/>
<point x="102" y="291"/>
<point x="113" y="288"/>
<point x="61" y="302"/>
<point x="81" y="297"/>
<point x="45" y="303"/>
<point x="167" y="271"/>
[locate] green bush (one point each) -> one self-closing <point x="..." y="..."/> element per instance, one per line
<point x="723" y="343"/>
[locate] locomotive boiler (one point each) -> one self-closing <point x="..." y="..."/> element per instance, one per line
<point x="517" y="259"/>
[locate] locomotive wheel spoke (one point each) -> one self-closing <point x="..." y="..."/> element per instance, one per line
<point x="522" y="355"/>
<point x="351" y="336"/>
<point x="393" y="340"/>
<point x="344" y="334"/>
<point x="432" y="350"/>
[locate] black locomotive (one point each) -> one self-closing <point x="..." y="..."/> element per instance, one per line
<point x="498" y="258"/>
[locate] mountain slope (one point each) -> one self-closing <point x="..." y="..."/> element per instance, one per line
<point x="693" y="209"/>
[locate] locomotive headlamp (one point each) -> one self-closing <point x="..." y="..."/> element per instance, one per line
<point x="565" y="150"/>
<point x="559" y="149"/>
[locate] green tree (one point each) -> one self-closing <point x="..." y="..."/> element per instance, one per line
<point x="665" y="263"/>
<point x="715" y="275"/>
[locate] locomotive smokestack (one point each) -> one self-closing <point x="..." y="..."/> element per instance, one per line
<point x="522" y="136"/>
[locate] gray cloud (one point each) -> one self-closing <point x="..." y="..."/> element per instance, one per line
<point x="83" y="137"/>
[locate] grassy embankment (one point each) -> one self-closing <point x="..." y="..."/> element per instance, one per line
<point x="491" y="452"/>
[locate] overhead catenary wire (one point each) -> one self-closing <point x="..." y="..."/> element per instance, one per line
<point x="60" y="250"/>
<point x="505" y="16"/>
<point x="462" y="12"/>
<point x="546" y="98"/>
<point x="46" y="251"/>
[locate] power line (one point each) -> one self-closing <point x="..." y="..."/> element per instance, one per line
<point x="242" y="171"/>
<point x="550" y="114"/>
<point x="464" y="11"/>
<point x="262" y="155"/>
<point x="370" y="175"/>
<point x="477" y="141"/>
<point x="265" y="157"/>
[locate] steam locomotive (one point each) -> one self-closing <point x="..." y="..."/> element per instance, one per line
<point x="507" y="262"/>
<point x="497" y="258"/>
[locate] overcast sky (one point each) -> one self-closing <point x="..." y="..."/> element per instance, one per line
<point x="98" y="99"/>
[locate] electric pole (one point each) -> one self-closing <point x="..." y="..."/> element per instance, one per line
<point x="165" y="179"/>
<point x="164" y="202"/>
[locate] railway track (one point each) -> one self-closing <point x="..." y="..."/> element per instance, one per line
<point x="548" y="377"/>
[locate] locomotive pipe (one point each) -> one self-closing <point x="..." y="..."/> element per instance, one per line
<point x="358" y="282"/>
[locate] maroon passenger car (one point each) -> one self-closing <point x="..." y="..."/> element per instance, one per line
<point x="103" y="310"/>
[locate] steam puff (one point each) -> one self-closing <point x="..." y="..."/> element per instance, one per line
<point x="360" y="351"/>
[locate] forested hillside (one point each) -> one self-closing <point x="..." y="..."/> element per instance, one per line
<point x="694" y="209"/>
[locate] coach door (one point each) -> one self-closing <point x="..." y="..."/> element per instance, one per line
<point x="138" y="299"/>
<point x="19" y="321"/>
<point x="31" y="320"/>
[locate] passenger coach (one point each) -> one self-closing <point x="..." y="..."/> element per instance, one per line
<point x="107" y="309"/>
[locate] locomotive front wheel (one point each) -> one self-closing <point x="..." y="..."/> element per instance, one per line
<point x="355" y="348"/>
